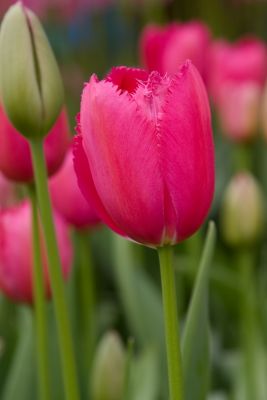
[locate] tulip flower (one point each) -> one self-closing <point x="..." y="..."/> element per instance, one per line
<point x="16" y="259"/>
<point x="242" y="214"/>
<point x="243" y="61"/>
<point x="72" y="205"/>
<point x="15" y="156"/>
<point x="7" y="192"/>
<point x="164" y="49"/>
<point x="145" y="154"/>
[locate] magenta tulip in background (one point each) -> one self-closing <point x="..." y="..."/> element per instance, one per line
<point x="16" y="255"/>
<point x="145" y="153"/>
<point x="164" y="49"/>
<point x="238" y="108"/>
<point x="15" y="157"/>
<point x="68" y="199"/>
<point x="239" y="62"/>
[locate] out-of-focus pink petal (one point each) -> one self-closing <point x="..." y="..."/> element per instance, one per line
<point x="15" y="157"/>
<point x="16" y="255"/>
<point x="187" y="150"/>
<point x="68" y="199"/>
<point x="165" y="49"/>
<point x="188" y="41"/>
<point x="7" y="192"/>
<point x="238" y="108"/>
<point x="152" y="44"/>
<point x="242" y="61"/>
<point x="123" y="160"/>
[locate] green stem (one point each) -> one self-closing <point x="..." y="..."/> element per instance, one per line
<point x="39" y="305"/>
<point x="86" y="284"/>
<point x="171" y="323"/>
<point x="248" y="321"/>
<point x="55" y="271"/>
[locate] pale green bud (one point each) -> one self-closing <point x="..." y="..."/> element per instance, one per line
<point x="242" y="214"/>
<point x="30" y="81"/>
<point x="109" y="368"/>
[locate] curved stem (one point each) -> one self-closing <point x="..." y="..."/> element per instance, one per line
<point x="172" y="336"/>
<point x="39" y="305"/>
<point x="55" y="272"/>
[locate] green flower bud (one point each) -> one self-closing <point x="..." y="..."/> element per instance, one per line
<point x="30" y="82"/>
<point x="242" y="214"/>
<point x="108" y="368"/>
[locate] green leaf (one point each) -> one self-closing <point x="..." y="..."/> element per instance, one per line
<point x="145" y="376"/>
<point x="195" y="340"/>
<point x="140" y="296"/>
<point x="21" y="380"/>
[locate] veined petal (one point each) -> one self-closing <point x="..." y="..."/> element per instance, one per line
<point x="186" y="149"/>
<point x="121" y="148"/>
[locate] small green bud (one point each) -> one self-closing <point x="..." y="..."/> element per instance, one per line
<point x="109" y="368"/>
<point x="30" y="81"/>
<point x="242" y="214"/>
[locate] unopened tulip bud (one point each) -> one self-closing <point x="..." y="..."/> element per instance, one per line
<point x="31" y="86"/>
<point x="109" y="368"/>
<point x="242" y="216"/>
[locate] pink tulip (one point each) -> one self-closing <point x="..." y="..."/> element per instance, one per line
<point x="16" y="255"/>
<point x="165" y="49"/>
<point x="68" y="199"/>
<point x="145" y="154"/>
<point x="7" y="192"/>
<point x="238" y="107"/>
<point x="15" y="157"/>
<point x="243" y="61"/>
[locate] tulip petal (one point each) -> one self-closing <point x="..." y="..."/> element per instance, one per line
<point x="187" y="156"/>
<point x="86" y="183"/>
<point x="121" y="147"/>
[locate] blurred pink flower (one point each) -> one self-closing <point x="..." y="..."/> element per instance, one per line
<point x="68" y="199"/>
<point x="7" y="192"/>
<point x="238" y="108"/>
<point x="164" y="49"/>
<point x="145" y="154"/>
<point x="16" y="255"/>
<point x="242" y="61"/>
<point x="15" y="158"/>
<point x="236" y="76"/>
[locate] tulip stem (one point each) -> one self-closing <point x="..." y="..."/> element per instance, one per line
<point x="86" y="286"/>
<point x="39" y="305"/>
<point x="55" y="271"/>
<point x="172" y="336"/>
